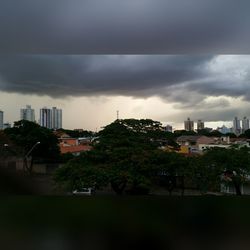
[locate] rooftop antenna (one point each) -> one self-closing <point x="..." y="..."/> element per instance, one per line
<point x="117" y="114"/>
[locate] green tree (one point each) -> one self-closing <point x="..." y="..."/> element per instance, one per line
<point x="204" y="173"/>
<point x="123" y="151"/>
<point x="215" y="133"/>
<point x="86" y="170"/>
<point x="231" y="165"/>
<point x="26" y="134"/>
<point x="232" y="135"/>
<point x="168" y="167"/>
<point x="178" y="133"/>
<point x="7" y="147"/>
<point x="77" y="133"/>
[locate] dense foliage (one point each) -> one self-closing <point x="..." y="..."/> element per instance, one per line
<point x="25" y="134"/>
<point x="122" y="156"/>
<point x="129" y="156"/>
<point x="77" y="133"/>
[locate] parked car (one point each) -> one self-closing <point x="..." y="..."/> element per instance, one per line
<point x="84" y="191"/>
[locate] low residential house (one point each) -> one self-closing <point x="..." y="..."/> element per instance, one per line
<point x="192" y="142"/>
<point x="85" y="140"/>
<point x="240" y="142"/>
<point x="60" y="134"/>
<point x="73" y="146"/>
<point x="203" y="147"/>
<point x="197" y="144"/>
<point x="75" y="150"/>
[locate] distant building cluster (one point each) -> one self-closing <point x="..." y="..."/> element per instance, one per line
<point x="49" y="118"/>
<point x="189" y="125"/>
<point x="197" y="144"/>
<point x="239" y="126"/>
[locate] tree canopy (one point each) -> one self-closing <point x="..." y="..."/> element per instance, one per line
<point x="26" y="134"/>
<point x="128" y="156"/>
<point x="122" y="156"/>
<point x="78" y="133"/>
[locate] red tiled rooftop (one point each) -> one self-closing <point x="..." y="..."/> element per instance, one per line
<point x="75" y="149"/>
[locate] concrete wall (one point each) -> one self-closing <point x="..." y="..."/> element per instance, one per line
<point x="17" y="164"/>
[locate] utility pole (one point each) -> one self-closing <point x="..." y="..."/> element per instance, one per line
<point x="117" y="114"/>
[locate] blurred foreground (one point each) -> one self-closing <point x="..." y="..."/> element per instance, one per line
<point x="99" y="222"/>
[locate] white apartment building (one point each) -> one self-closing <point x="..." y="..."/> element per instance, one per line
<point x="27" y="114"/>
<point x="236" y="126"/>
<point x="51" y="118"/>
<point x="56" y="118"/>
<point x="189" y="125"/>
<point x="200" y="125"/>
<point x="46" y="118"/>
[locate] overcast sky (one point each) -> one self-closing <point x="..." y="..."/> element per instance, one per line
<point x="164" y="60"/>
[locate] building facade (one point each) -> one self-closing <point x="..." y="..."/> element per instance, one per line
<point x="200" y="125"/>
<point x="56" y="118"/>
<point x="46" y="118"/>
<point x="236" y="126"/>
<point x="189" y="125"/>
<point x="27" y="114"/>
<point x="51" y="118"/>
<point x="245" y="124"/>
<point x="1" y="119"/>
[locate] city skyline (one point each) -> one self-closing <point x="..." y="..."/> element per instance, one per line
<point x="243" y="123"/>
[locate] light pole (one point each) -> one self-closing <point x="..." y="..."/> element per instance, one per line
<point x="26" y="156"/>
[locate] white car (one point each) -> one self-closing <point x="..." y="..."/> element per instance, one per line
<point x="83" y="191"/>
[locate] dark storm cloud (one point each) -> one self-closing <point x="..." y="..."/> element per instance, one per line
<point x="124" y="27"/>
<point x="197" y="86"/>
<point x="133" y="75"/>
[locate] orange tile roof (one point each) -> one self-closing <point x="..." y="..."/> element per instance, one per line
<point x="74" y="149"/>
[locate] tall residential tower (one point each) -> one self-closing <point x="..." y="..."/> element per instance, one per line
<point x="200" y="125"/>
<point x="27" y="114"/>
<point x="45" y="118"/>
<point x="56" y="118"/>
<point x="51" y="118"/>
<point x="189" y="125"/>
<point x="236" y="126"/>
<point x="245" y="124"/>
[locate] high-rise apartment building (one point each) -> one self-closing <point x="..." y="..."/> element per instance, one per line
<point x="1" y="119"/>
<point x="200" y="125"/>
<point x="236" y="126"/>
<point x="56" y="118"/>
<point x="51" y="118"/>
<point x="45" y="117"/>
<point x="189" y="125"/>
<point x="245" y="124"/>
<point x="27" y="114"/>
